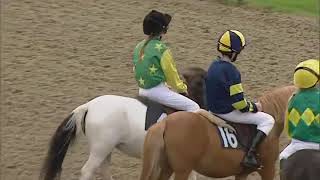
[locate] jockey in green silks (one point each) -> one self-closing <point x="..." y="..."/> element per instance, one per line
<point x="303" y="121"/>
<point x="155" y="68"/>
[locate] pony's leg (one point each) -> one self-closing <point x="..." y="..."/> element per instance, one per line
<point x="98" y="154"/>
<point x="267" y="172"/>
<point x="241" y="177"/>
<point x="91" y="166"/>
<point x="105" y="168"/>
<point x="269" y="156"/>
<point x="182" y="175"/>
<point x="165" y="174"/>
<point x="193" y="175"/>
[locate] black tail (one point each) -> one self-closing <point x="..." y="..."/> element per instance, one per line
<point x="59" y="144"/>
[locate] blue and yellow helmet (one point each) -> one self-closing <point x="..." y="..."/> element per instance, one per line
<point x="306" y="74"/>
<point x="231" y="41"/>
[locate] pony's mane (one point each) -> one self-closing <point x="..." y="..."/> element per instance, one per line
<point x="196" y="69"/>
<point x="278" y="95"/>
<point x="194" y="72"/>
<point x="275" y="103"/>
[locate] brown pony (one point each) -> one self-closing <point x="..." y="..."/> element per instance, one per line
<point x="308" y="167"/>
<point x="186" y="141"/>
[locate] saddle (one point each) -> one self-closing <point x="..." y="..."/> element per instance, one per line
<point x="154" y="111"/>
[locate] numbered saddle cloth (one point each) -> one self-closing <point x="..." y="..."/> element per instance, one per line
<point x="241" y="139"/>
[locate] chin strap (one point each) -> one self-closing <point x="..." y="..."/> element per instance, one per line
<point x="234" y="56"/>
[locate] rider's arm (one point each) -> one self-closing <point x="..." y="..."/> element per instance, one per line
<point x="235" y="89"/>
<point x="171" y="73"/>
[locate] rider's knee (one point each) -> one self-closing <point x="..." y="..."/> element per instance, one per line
<point x="269" y="119"/>
<point x="194" y="107"/>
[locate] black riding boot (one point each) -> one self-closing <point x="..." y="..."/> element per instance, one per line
<point x="250" y="160"/>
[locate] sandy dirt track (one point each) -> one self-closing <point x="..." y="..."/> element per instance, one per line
<point x="55" y="55"/>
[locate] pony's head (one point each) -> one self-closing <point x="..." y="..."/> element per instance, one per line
<point x="195" y="79"/>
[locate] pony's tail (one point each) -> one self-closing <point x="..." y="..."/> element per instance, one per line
<point x="60" y="141"/>
<point x="153" y="152"/>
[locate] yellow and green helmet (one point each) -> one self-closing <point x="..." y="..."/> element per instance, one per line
<point x="306" y="74"/>
<point x="231" y="41"/>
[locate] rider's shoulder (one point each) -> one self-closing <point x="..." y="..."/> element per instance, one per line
<point x="158" y="41"/>
<point x="225" y="65"/>
<point x="159" y="45"/>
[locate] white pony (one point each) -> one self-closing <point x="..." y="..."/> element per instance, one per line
<point x="108" y="122"/>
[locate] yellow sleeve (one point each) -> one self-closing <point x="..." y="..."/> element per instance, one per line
<point x="171" y="73"/>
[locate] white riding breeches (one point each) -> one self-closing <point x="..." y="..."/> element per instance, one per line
<point x="263" y="120"/>
<point x="163" y="95"/>
<point x="297" y="145"/>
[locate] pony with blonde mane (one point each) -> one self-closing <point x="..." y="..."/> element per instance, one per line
<point x="185" y="141"/>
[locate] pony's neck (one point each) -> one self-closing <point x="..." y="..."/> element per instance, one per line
<point x="198" y="95"/>
<point x="275" y="103"/>
<point x="199" y="99"/>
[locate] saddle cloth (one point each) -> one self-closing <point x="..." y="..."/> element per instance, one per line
<point x="154" y="111"/>
<point x="241" y="139"/>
